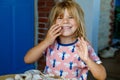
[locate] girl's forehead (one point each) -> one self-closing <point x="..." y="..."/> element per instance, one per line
<point x="62" y="12"/>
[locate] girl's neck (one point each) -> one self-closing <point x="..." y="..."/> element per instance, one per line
<point x="66" y="40"/>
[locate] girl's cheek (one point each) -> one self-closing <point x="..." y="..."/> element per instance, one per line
<point x="58" y="21"/>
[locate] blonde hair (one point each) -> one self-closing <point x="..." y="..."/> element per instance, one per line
<point x="75" y="10"/>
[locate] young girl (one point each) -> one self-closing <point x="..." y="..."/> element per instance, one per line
<point x="68" y="53"/>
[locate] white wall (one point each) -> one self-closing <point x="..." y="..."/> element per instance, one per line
<point x="91" y="9"/>
<point x="104" y="26"/>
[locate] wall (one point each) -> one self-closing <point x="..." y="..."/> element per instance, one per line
<point x="99" y="17"/>
<point x="92" y="12"/>
<point x="44" y="7"/>
<point x="105" y="24"/>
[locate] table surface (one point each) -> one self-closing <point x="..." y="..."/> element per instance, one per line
<point x="3" y="77"/>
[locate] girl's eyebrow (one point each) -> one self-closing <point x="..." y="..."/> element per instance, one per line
<point x="60" y="15"/>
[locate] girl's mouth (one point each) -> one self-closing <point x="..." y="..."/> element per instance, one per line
<point x="66" y="27"/>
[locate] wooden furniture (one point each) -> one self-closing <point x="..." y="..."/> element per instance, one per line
<point x="3" y="77"/>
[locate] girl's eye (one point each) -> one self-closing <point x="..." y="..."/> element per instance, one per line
<point x="70" y="17"/>
<point x="59" y="18"/>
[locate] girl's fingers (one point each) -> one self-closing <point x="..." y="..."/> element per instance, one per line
<point x="58" y="34"/>
<point x="82" y="45"/>
<point x="53" y="34"/>
<point x="54" y="25"/>
<point x="58" y="30"/>
<point x="83" y="42"/>
<point x="54" y="28"/>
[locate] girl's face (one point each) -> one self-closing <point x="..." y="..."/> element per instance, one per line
<point x="68" y="24"/>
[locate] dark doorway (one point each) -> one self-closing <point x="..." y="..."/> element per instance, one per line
<point x="116" y="30"/>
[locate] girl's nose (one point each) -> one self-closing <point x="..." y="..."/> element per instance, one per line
<point x="65" y="20"/>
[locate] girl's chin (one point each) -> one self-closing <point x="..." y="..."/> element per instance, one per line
<point x="65" y="35"/>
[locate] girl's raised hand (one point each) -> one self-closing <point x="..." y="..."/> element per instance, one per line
<point x="82" y="49"/>
<point x="54" y="31"/>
